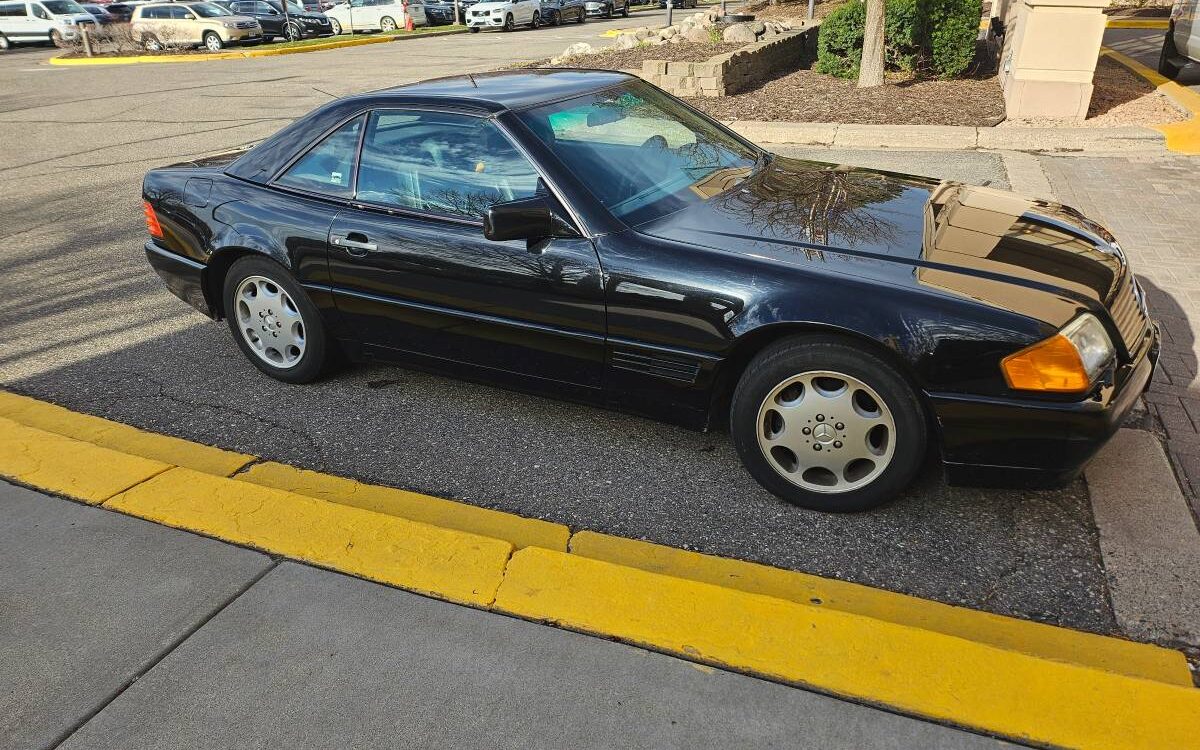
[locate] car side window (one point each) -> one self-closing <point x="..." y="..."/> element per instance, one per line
<point x="40" y="12"/>
<point x="443" y="163"/>
<point x="180" y="13"/>
<point x="328" y="167"/>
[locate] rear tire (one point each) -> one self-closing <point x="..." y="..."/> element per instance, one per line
<point x="263" y="323"/>
<point x="4" y="43"/>
<point x="335" y="27"/>
<point x="152" y="43"/>
<point x="625" y="10"/>
<point x="867" y="430"/>
<point x="582" y="17"/>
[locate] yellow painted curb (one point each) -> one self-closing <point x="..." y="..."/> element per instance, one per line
<point x="242" y="54"/>
<point x="1136" y="23"/>
<point x="120" y="437"/>
<point x="69" y="467"/>
<point x="517" y="530"/>
<point x="1008" y="633"/>
<point x="920" y="672"/>
<point x="1182" y="137"/>
<point x="452" y="565"/>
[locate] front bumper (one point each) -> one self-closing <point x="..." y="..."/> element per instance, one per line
<point x="486" y="22"/>
<point x="1020" y="442"/>
<point x="183" y="276"/>
<point x="243" y="35"/>
<point x="596" y="12"/>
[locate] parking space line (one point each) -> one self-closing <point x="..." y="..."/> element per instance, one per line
<point x="452" y="565"/>
<point x="1007" y="633"/>
<point x="517" y="530"/>
<point x="120" y="437"/>
<point x="985" y="672"/>
<point x="74" y="468"/>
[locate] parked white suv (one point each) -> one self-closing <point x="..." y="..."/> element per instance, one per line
<point x="373" y="15"/>
<point x="29" y="21"/>
<point x="1181" y="47"/>
<point x="505" y="15"/>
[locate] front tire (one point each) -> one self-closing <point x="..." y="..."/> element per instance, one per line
<point x="212" y="41"/>
<point x="293" y="33"/>
<point x="508" y="23"/>
<point x="273" y="321"/>
<point x="387" y="23"/>
<point x="56" y="39"/>
<point x="625" y="11"/>
<point x="582" y="16"/>
<point x="4" y="43"/>
<point x="827" y="425"/>
<point x="536" y="21"/>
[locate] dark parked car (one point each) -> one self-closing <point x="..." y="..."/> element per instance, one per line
<point x="678" y="4"/>
<point x="584" y="234"/>
<point x="437" y="12"/>
<point x="298" y="24"/>
<point x="122" y="12"/>
<point x="555" y="12"/>
<point x="98" y="12"/>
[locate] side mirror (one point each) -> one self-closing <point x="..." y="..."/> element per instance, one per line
<point x="530" y="219"/>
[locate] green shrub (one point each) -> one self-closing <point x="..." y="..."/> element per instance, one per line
<point x="947" y="30"/>
<point x="941" y="32"/>
<point x="840" y="40"/>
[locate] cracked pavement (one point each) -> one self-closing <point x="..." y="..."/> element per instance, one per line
<point x="85" y="322"/>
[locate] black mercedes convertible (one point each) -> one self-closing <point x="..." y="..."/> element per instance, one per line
<point x="585" y="235"/>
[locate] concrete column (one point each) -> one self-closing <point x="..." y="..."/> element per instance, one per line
<point x="1049" y="56"/>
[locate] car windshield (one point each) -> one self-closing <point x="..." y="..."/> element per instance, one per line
<point x="63" y="7"/>
<point x="208" y="10"/>
<point x="642" y="153"/>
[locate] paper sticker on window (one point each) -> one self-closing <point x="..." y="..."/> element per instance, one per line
<point x="335" y="178"/>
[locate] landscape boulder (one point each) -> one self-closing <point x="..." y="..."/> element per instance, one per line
<point x="697" y="34"/>
<point x="627" y="41"/>
<point x="579" y="48"/>
<point x="739" y="33"/>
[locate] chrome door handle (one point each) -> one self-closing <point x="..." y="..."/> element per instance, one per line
<point x="362" y="246"/>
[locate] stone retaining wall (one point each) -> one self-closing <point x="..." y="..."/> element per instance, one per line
<point x="737" y="71"/>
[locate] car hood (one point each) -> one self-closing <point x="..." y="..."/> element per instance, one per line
<point x="490" y="6"/>
<point x="989" y="245"/>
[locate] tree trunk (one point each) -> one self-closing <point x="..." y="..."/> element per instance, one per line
<point x="870" y="71"/>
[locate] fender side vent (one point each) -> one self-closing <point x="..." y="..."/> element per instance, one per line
<point x="658" y="365"/>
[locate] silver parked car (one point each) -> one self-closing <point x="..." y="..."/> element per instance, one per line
<point x="1181" y="47"/>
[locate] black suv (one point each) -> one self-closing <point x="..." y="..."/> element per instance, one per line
<point x="298" y="24"/>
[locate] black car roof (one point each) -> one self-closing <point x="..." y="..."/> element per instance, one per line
<point x="485" y="93"/>
<point x="509" y="89"/>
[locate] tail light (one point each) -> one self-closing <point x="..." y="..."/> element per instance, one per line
<point x="152" y="224"/>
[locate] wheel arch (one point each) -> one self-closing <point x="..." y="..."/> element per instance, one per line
<point x="217" y="269"/>
<point x="750" y="343"/>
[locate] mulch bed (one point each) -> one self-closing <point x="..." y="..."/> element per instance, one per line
<point x="805" y="96"/>
<point x="632" y="59"/>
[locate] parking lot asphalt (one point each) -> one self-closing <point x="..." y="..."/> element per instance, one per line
<point x="84" y="322"/>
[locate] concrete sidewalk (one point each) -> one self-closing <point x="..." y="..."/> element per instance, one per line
<point x="120" y="633"/>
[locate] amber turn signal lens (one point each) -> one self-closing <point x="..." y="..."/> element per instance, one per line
<point x="152" y="224"/>
<point x="1051" y="365"/>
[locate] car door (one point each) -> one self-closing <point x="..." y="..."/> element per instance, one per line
<point x="39" y="22"/>
<point x="415" y="279"/>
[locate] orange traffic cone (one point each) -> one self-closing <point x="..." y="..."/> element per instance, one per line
<point x="408" y="24"/>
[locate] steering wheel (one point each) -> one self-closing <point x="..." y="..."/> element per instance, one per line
<point x="656" y="142"/>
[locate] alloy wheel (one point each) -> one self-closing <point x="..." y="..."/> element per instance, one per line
<point x="508" y="22"/>
<point x="537" y="20"/>
<point x="4" y="43"/>
<point x="826" y="431"/>
<point x="387" y="23"/>
<point x="270" y="322"/>
<point x="212" y="42"/>
<point x="334" y="26"/>
<point x="292" y="33"/>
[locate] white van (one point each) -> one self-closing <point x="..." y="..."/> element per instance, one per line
<point x="26" y="21"/>
<point x="1181" y="47"/>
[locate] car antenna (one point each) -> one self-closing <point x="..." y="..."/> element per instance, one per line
<point x="471" y="77"/>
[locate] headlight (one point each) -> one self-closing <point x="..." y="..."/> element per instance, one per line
<point x="1067" y="362"/>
